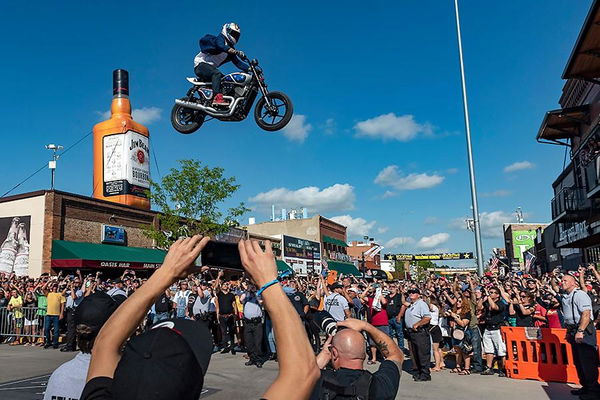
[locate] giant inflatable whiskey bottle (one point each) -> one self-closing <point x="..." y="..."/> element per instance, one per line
<point x="121" y="152"/>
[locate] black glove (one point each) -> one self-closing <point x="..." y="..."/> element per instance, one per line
<point x="240" y="54"/>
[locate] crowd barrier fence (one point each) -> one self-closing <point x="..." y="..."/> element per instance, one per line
<point x="543" y="354"/>
<point x="24" y="322"/>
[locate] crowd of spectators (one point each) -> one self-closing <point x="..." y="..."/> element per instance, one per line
<point x="429" y="318"/>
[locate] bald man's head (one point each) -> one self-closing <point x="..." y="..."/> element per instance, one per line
<point x="348" y="349"/>
<point x="569" y="282"/>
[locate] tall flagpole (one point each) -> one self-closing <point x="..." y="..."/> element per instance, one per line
<point x="477" y="230"/>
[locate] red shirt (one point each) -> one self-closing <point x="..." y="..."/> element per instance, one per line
<point x="378" y="318"/>
<point x="540" y="312"/>
<point x="553" y="320"/>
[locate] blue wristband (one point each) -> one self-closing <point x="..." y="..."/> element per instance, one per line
<point x="266" y="286"/>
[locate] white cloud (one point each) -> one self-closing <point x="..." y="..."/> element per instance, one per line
<point x="497" y="193"/>
<point x="144" y="115"/>
<point x="338" y="197"/>
<point x="392" y="127"/>
<point x="297" y="129"/>
<point x="355" y="226"/>
<point x="391" y="176"/>
<point x="382" y="229"/>
<point x="330" y="126"/>
<point x="398" y="241"/>
<point x="388" y="194"/>
<point x="429" y="242"/>
<point x="452" y="171"/>
<point x="518" y="166"/>
<point x="431" y="220"/>
<point x="490" y="223"/>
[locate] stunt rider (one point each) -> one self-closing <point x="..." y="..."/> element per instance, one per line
<point x="216" y="51"/>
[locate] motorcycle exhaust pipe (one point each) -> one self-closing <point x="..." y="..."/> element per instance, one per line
<point x="189" y="104"/>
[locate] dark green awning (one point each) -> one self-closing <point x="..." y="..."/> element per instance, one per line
<point x="343" y="268"/>
<point x="282" y="266"/>
<point x="337" y="242"/>
<point x="66" y="254"/>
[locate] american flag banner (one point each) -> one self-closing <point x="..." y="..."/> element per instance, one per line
<point x="529" y="259"/>
<point x="494" y="264"/>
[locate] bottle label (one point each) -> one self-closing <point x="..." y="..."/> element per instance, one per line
<point x="126" y="164"/>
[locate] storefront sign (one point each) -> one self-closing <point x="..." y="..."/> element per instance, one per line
<point x="521" y="241"/>
<point x="78" y="263"/>
<point x="301" y="248"/>
<point x="337" y="256"/>
<point x="113" y="234"/>
<point x="126" y="164"/>
<point x="576" y="232"/>
<point x="429" y="257"/>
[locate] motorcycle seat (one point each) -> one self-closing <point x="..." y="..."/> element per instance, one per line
<point x="198" y="82"/>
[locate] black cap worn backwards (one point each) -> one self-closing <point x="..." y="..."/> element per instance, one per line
<point x="167" y="362"/>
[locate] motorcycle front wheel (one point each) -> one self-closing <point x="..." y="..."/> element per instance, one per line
<point x="185" y="120"/>
<point x="275" y="117"/>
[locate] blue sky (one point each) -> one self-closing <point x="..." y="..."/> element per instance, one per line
<point x="378" y="136"/>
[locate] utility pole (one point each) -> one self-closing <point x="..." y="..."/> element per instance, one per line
<point x="476" y="225"/>
<point x="52" y="163"/>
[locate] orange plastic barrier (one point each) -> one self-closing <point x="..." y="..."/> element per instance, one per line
<point x="542" y="354"/>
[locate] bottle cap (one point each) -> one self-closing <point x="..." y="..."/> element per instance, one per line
<point x="120" y="83"/>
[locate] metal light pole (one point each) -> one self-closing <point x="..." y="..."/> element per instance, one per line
<point x="477" y="230"/>
<point x="52" y="163"/>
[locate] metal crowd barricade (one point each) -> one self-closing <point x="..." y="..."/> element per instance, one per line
<point x="18" y="323"/>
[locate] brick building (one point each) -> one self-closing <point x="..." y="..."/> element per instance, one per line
<point x="65" y="231"/>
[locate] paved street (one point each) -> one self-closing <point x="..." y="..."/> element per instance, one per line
<point x="25" y="371"/>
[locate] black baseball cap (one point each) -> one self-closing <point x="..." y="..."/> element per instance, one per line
<point x="94" y="310"/>
<point x="167" y="362"/>
<point x="336" y="285"/>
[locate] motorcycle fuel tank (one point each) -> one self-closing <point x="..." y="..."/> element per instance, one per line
<point x="240" y="78"/>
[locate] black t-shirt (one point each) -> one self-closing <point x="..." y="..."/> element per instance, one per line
<point x="225" y="302"/>
<point x="384" y="384"/>
<point x="98" y="388"/>
<point x="163" y="304"/>
<point x="494" y="318"/>
<point x="393" y="306"/>
<point x="298" y="300"/>
<point x="524" y="320"/>
<point x="3" y="302"/>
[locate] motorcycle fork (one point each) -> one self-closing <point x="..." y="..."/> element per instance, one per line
<point x="190" y="93"/>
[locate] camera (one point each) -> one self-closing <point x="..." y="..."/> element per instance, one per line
<point x="326" y="322"/>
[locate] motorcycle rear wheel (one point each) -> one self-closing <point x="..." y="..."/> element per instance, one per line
<point x="269" y="120"/>
<point x="186" y="120"/>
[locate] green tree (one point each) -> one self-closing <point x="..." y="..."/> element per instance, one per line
<point x="189" y="200"/>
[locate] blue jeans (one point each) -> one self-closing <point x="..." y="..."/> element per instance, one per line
<point x="477" y="362"/>
<point x="396" y="331"/>
<point x="51" y="320"/>
<point x="270" y="335"/>
<point x="160" y="316"/>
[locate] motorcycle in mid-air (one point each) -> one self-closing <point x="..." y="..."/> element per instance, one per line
<point x="273" y="110"/>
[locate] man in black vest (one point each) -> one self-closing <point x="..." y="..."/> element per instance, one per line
<point x="346" y="351"/>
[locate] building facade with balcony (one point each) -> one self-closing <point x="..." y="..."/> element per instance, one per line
<point x="576" y="125"/>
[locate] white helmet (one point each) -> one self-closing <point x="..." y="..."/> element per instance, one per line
<point x="231" y="31"/>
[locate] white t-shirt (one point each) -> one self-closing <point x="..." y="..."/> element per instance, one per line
<point x="335" y="304"/>
<point x="181" y="299"/>
<point x="202" y="304"/>
<point x="68" y="380"/>
<point x="435" y="315"/>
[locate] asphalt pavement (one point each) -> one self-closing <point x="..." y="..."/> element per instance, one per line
<point x="25" y="371"/>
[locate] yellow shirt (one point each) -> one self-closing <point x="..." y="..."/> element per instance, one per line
<point x="17" y="304"/>
<point x="54" y="302"/>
